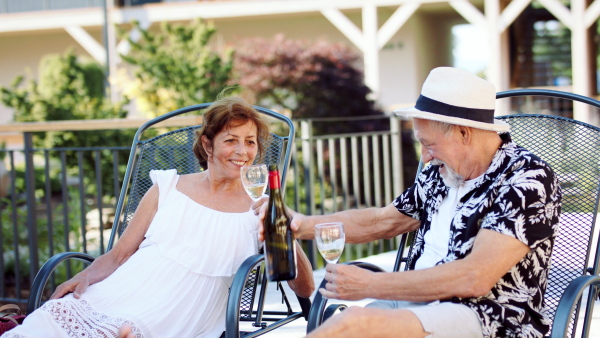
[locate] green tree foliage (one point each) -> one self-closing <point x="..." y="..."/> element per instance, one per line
<point x="175" y="67"/>
<point x="313" y="80"/>
<point x="69" y="89"/>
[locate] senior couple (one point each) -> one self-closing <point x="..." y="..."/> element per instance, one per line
<point x="486" y="213"/>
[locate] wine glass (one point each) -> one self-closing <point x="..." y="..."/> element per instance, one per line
<point x="254" y="180"/>
<point x="330" y="240"/>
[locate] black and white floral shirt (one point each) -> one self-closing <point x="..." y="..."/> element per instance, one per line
<point x="518" y="196"/>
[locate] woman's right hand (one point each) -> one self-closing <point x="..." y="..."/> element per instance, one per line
<point x="127" y="245"/>
<point x="260" y="209"/>
<point x="77" y="285"/>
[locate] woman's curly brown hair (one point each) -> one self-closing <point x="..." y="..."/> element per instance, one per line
<point x="228" y="112"/>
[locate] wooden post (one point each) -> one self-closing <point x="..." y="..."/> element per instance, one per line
<point x="371" y="50"/>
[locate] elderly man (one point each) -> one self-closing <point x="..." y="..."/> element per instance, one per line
<point x="486" y="211"/>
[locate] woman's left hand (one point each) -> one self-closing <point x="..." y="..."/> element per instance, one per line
<point x="260" y="203"/>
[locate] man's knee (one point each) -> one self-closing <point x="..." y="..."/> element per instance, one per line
<point x="353" y="311"/>
<point x="350" y="314"/>
<point x="357" y="313"/>
<point x="353" y="318"/>
<point x="378" y="321"/>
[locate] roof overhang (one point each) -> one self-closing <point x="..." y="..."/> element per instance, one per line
<point x="180" y="11"/>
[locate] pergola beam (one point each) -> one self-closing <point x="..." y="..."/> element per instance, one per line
<point x="88" y="43"/>
<point x="395" y="22"/>
<point x="371" y="39"/>
<point x="591" y="14"/>
<point x="469" y="12"/>
<point x="510" y="13"/>
<point x="371" y="49"/>
<point x="560" y="11"/>
<point x="345" y="26"/>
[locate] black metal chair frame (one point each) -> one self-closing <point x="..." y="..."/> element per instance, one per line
<point x="244" y="304"/>
<point x="569" y="306"/>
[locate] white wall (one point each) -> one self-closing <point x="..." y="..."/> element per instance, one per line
<point x="21" y="53"/>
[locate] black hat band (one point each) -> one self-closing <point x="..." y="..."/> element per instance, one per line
<point x="436" y="107"/>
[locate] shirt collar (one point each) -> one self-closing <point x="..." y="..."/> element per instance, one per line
<point x="499" y="160"/>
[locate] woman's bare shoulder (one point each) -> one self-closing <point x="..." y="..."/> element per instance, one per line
<point x="188" y="178"/>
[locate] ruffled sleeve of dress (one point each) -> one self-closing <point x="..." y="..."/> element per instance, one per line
<point x="166" y="181"/>
<point x="204" y="240"/>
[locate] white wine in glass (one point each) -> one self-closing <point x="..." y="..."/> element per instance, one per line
<point x="330" y="240"/>
<point x="254" y="179"/>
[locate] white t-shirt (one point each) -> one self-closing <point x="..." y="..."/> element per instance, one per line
<point x="437" y="239"/>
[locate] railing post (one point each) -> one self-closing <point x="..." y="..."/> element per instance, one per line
<point x="397" y="165"/>
<point x="31" y="205"/>
<point x="306" y="137"/>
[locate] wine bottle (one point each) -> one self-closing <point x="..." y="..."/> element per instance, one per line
<point x="279" y="238"/>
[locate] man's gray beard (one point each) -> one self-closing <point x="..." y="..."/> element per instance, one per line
<point x="451" y="178"/>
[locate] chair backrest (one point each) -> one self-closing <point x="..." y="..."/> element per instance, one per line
<point x="572" y="149"/>
<point x="173" y="150"/>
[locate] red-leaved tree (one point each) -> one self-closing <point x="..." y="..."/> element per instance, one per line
<point x="311" y="79"/>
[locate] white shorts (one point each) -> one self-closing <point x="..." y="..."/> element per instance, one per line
<point x="440" y="320"/>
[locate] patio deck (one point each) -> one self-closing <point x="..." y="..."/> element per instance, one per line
<point x="386" y="261"/>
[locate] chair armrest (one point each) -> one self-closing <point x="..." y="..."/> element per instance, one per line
<point x="567" y="304"/>
<point x="331" y="309"/>
<point x="236" y="293"/>
<point x="40" y="280"/>
<point x="315" y="317"/>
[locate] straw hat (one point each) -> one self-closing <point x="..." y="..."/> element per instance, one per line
<point x="458" y="97"/>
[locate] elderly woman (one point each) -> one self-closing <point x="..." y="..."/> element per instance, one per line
<point x="170" y="272"/>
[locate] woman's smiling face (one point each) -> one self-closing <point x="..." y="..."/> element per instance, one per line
<point x="232" y="148"/>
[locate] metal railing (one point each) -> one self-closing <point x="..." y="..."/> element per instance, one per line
<point x="330" y="173"/>
<point x="53" y="208"/>
<point x="57" y="200"/>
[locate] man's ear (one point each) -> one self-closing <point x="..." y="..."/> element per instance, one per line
<point x="466" y="134"/>
<point x="206" y="145"/>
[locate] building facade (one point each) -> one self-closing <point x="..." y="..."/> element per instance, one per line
<point x="400" y="40"/>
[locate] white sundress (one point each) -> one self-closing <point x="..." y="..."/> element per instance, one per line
<point x="175" y="285"/>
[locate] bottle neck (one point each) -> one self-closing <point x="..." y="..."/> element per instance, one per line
<point x="274" y="181"/>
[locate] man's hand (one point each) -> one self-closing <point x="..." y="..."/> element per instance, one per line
<point x="300" y="226"/>
<point x="77" y="285"/>
<point x="347" y="282"/>
<point x="260" y="209"/>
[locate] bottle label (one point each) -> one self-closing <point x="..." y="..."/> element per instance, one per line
<point x="274" y="182"/>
